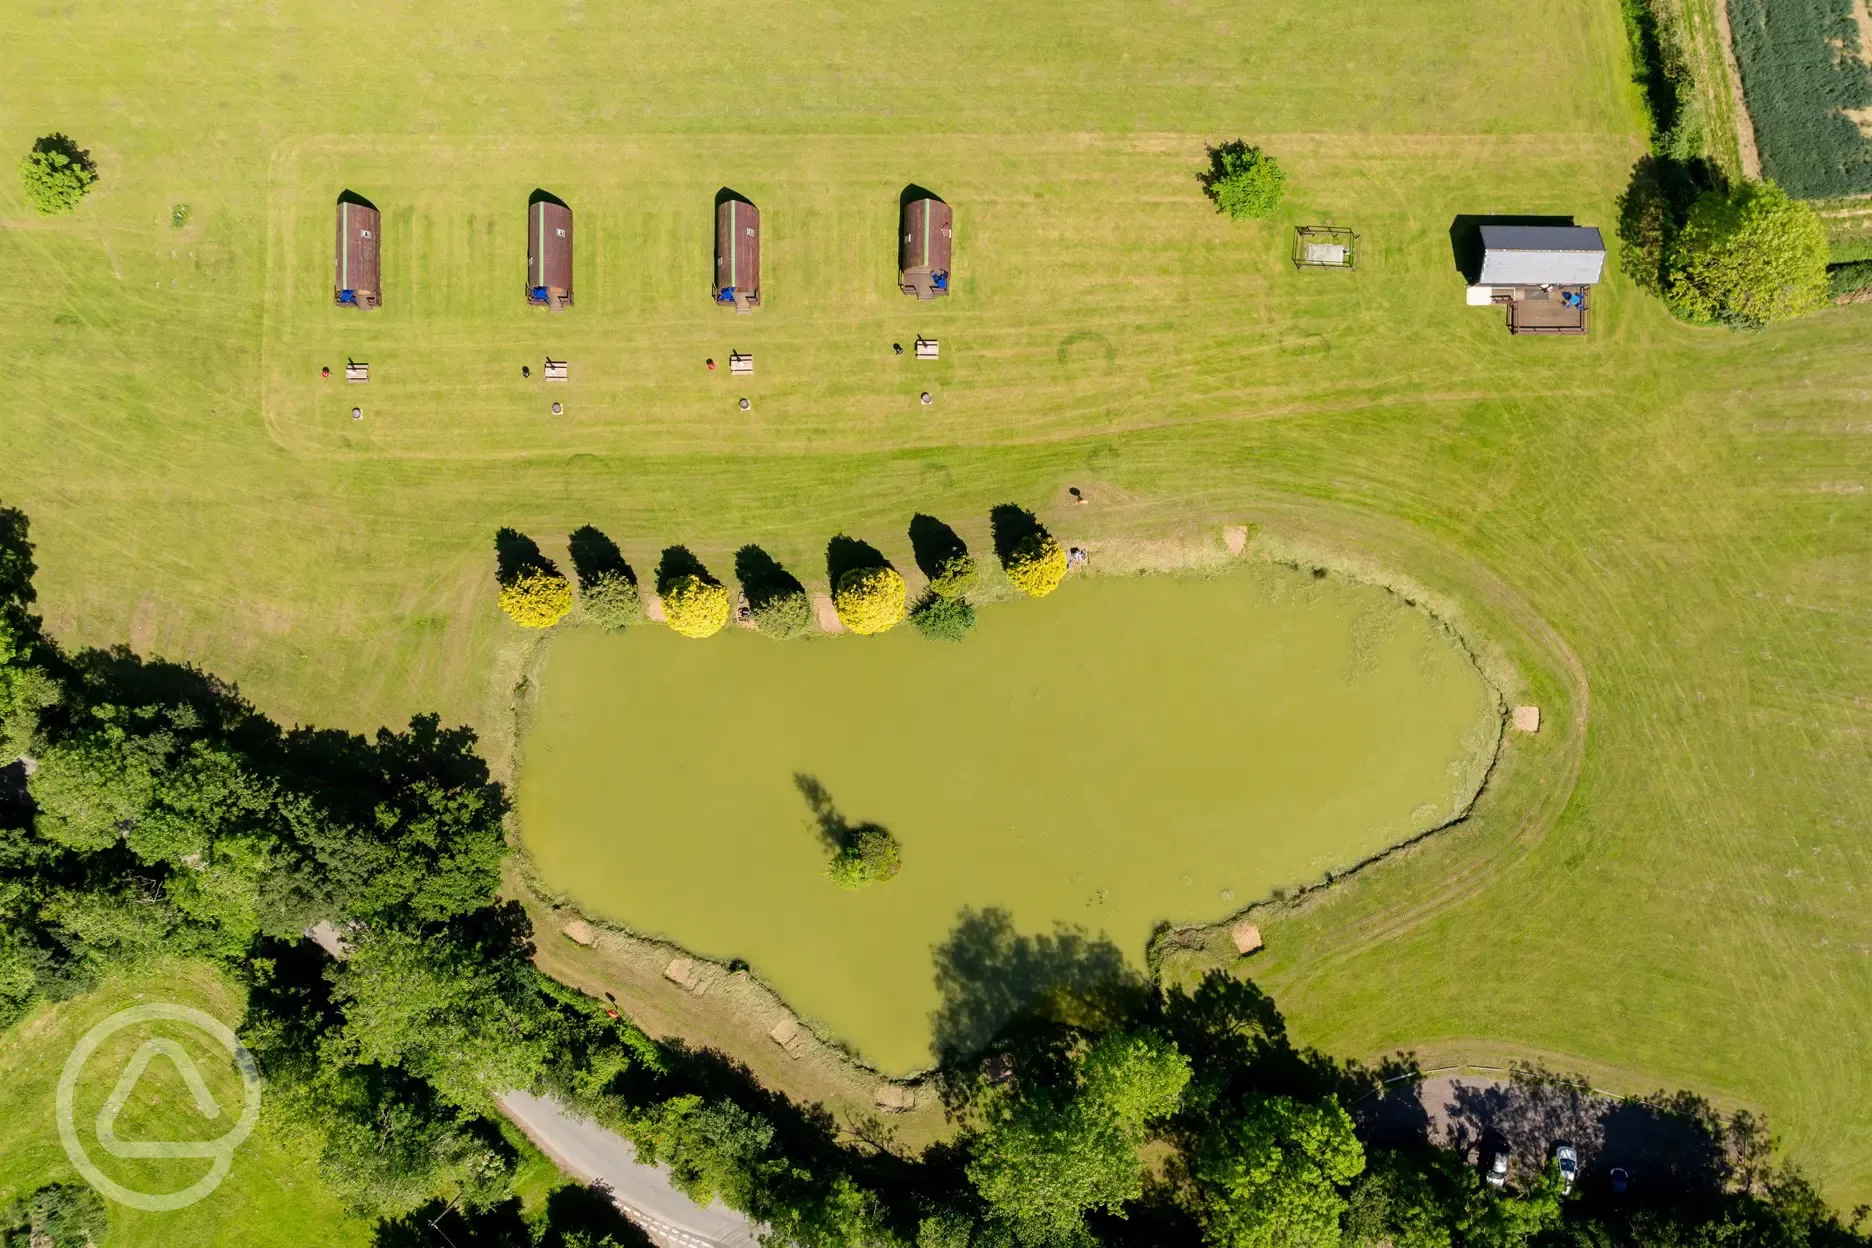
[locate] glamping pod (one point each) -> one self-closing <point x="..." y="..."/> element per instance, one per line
<point x="359" y="282"/>
<point x="923" y="252"/>
<point x="549" y="252"/>
<point x="1544" y="274"/>
<point x="737" y="253"/>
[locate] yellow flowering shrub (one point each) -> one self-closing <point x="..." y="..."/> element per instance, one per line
<point x="695" y="607"/>
<point x="870" y="600"/>
<point x="537" y="598"/>
<point x="1037" y="564"/>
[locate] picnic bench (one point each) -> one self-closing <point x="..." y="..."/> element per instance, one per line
<point x="557" y="370"/>
<point x="354" y="371"/>
<point x="928" y="348"/>
<point x="740" y="363"/>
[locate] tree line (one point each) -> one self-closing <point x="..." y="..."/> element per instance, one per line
<point x="154" y="813"/>
<point x="869" y="595"/>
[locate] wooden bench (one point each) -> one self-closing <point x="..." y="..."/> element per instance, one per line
<point x="740" y="363"/>
<point x="356" y="372"/>
<point x="557" y="370"/>
<point x="928" y="349"/>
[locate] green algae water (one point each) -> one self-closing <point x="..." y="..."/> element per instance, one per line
<point x="1126" y="751"/>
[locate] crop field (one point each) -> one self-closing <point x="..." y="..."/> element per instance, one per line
<point x="1687" y="510"/>
<point x="1807" y="74"/>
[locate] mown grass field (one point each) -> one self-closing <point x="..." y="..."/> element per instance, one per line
<point x="1688" y="509"/>
<point x="270" y="1196"/>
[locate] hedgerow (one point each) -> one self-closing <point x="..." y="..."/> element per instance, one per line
<point x="1849" y="279"/>
<point x="1801" y="65"/>
<point x="1664" y="72"/>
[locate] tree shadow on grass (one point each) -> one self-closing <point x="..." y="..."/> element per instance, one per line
<point x="16" y="562"/>
<point x="847" y="554"/>
<point x="1011" y="525"/>
<point x="934" y="544"/>
<point x="1653" y="209"/>
<point x="680" y="561"/>
<point x="516" y="554"/>
<point x="762" y="577"/>
<point x="119" y="675"/>
<point x="61" y="144"/>
<point x="594" y="555"/>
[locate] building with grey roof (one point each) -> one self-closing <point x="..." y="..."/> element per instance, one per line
<point x="1543" y="273"/>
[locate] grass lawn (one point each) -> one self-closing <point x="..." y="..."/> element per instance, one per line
<point x="270" y="1197"/>
<point x="1687" y="509"/>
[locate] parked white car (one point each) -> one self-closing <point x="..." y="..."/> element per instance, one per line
<point x="1568" y="1160"/>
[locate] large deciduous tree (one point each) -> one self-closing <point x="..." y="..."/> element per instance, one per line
<point x="1748" y="255"/>
<point x="1275" y="1176"/>
<point x="1047" y="1157"/>
<point x="56" y="174"/>
<point x="457" y="1006"/>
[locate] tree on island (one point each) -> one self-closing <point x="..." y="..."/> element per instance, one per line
<point x="869" y="856"/>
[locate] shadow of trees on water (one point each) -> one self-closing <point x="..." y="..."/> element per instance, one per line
<point x="988" y="975"/>
<point x="836" y="832"/>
